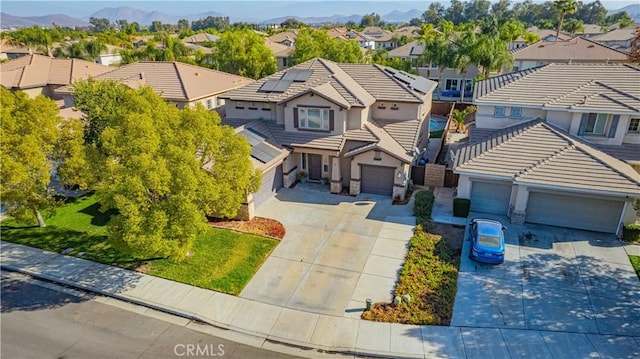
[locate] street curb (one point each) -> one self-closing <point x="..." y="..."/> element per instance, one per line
<point x="192" y="317"/>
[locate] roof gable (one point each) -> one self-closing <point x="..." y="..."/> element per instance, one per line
<point x="574" y="87"/>
<point x="576" y="49"/>
<point x="536" y="153"/>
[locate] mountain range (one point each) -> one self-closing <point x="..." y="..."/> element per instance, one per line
<point x="251" y="11"/>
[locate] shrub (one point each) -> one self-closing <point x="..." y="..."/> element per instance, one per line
<point x="422" y="206"/>
<point x="461" y="207"/>
<point x="631" y="233"/>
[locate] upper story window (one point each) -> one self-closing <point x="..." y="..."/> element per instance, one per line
<point x="498" y="111"/>
<point x="599" y="124"/>
<point x="266" y="106"/>
<point x="313" y="118"/>
<point x="239" y="104"/>
<point x="219" y="102"/>
<point x="515" y="112"/>
<point x="634" y="125"/>
<point x="596" y="124"/>
<point x="209" y="104"/>
<point x="252" y="106"/>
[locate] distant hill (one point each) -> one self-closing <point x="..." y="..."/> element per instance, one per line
<point x="392" y="17"/>
<point x="9" y="21"/>
<point x="143" y="17"/>
<point x="633" y="10"/>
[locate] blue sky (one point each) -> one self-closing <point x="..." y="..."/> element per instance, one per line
<point x="263" y="8"/>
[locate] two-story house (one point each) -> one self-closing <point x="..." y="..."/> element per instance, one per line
<point x="176" y="82"/>
<point x="42" y="75"/>
<point x="620" y="39"/>
<point x="354" y="125"/>
<point x="575" y="50"/>
<point x="550" y="144"/>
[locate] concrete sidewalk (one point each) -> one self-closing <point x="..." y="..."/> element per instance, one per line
<point x="265" y="325"/>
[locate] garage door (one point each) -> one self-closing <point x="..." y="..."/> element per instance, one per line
<point x="271" y="183"/>
<point x="490" y="197"/>
<point x="574" y="212"/>
<point x="377" y="179"/>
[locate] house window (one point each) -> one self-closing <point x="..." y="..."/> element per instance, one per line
<point x="596" y="124"/>
<point x="451" y="84"/>
<point x="265" y="106"/>
<point x="516" y="112"/>
<point x="252" y="106"/>
<point x="303" y="157"/>
<point x="284" y="62"/>
<point x="376" y="155"/>
<point x="209" y="104"/>
<point x="313" y="118"/>
<point x="498" y="111"/>
<point x="219" y="102"/>
<point x="239" y="104"/>
<point x="634" y="125"/>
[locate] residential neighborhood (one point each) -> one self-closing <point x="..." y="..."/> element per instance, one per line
<point x="439" y="180"/>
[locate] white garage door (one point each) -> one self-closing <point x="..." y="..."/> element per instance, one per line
<point x="490" y="197"/>
<point x="271" y="183"/>
<point x="377" y="179"/>
<point x="574" y="212"/>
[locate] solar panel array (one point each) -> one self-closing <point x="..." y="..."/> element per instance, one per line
<point x="259" y="149"/>
<point x="417" y="83"/>
<point x="275" y="86"/>
<point x="297" y="75"/>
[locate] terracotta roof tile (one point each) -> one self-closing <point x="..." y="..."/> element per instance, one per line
<point x="576" y="49"/>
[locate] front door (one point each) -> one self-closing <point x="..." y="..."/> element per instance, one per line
<point x="315" y="167"/>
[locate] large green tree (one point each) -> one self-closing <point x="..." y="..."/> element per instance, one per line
<point x="31" y="131"/>
<point x="163" y="168"/>
<point x="312" y="43"/>
<point x="243" y="52"/>
<point x="438" y="47"/>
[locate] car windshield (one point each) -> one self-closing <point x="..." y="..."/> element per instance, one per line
<point x="489" y="241"/>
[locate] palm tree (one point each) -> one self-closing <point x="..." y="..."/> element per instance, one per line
<point x="573" y="26"/>
<point x="438" y="49"/>
<point x="459" y="116"/>
<point x="492" y="54"/>
<point x="565" y="7"/>
<point x="463" y="55"/>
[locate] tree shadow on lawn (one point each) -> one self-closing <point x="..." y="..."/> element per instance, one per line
<point x="98" y="218"/>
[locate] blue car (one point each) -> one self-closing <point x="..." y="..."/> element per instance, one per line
<point x="487" y="238"/>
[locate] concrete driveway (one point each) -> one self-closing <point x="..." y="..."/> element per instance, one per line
<point x="337" y="252"/>
<point x="554" y="279"/>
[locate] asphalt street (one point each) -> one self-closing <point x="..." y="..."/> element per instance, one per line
<point x="43" y="320"/>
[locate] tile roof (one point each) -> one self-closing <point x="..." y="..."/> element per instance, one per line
<point x="404" y="132"/>
<point x="175" y="81"/>
<point x="278" y="50"/>
<point x="343" y="33"/>
<point x="37" y="70"/>
<point x="576" y="49"/>
<point x="407" y="31"/>
<point x="628" y="152"/>
<point x="545" y="33"/>
<point x="628" y="33"/>
<point x="376" y="33"/>
<point x="573" y="87"/>
<point x="411" y="49"/>
<point x="591" y="29"/>
<point x="536" y="153"/>
<point x="359" y="84"/>
<point x="285" y="35"/>
<point x="200" y="37"/>
<point x="491" y="84"/>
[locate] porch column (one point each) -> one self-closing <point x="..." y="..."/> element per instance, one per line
<point x="520" y="206"/>
<point x="336" y="176"/>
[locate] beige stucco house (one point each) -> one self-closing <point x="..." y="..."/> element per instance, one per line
<point x="42" y="75"/>
<point x="355" y="125"/>
<point x="557" y="145"/>
<point x="177" y="82"/>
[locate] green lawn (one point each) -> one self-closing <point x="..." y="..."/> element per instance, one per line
<point x="635" y="262"/>
<point x="223" y="260"/>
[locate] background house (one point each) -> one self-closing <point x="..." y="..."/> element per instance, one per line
<point x="356" y="125"/>
<point x="38" y="74"/>
<point x="575" y="50"/>
<point x="180" y="83"/>
<point x="544" y="144"/>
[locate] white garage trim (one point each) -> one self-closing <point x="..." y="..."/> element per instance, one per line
<point x="599" y="214"/>
<point x="491" y="196"/>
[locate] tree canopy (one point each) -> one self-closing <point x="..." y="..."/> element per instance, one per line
<point x="243" y="52"/>
<point x="312" y="43"/>
<point x="162" y="168"/>
<point x="30" y="131"/>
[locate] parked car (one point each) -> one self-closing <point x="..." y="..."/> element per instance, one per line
<point x="487" y="241"/>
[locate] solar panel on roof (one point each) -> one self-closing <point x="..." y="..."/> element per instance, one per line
<point x="268" y="85"/>
<point x="297" y="75"/>
<point x="404" y="77"/>
<point x="421" y="84"/>
<point x="282" y="86"/>
<point x="252" y="138"/>
<point x="263" y="153"/>
<point x="256" y="132"/>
